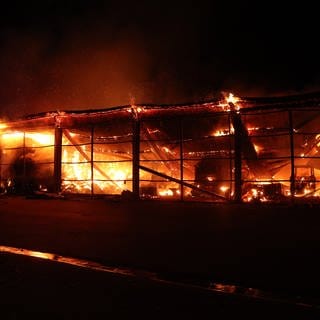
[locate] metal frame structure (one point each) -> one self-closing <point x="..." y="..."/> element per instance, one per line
<point x="293" y="119"/>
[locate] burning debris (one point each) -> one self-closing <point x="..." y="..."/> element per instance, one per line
<point x="217" y="151"/>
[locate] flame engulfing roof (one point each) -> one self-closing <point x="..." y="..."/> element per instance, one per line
<point x="68" y="118"/>
<point x="183" y="149"/>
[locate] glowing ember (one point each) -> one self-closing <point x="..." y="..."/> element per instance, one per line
<point x="167" y="192"/>
<point x="223" y="132"/>
<point x="257" y="148"/>
<point x="232" y="99"/>
<point x="135" y="110"/>
<point x="167" y="150"/>
<point x="224" y="188"/>
<point x="231" y="102"/>
<point x="253" y="129"/>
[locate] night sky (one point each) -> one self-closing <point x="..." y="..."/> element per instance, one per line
<point x="58" y="55"/>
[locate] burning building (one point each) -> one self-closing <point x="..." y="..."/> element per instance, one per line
<point x="246" y="149"/>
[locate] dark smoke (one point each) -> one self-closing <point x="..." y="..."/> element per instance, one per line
<point x="92" y="54"/>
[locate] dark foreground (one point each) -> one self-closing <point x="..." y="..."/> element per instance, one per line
<point x="38" y="289"/>
<point x="270" y="248"/>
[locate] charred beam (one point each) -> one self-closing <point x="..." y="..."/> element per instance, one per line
<point x="237" y="124"/>
<point x="136" y="159"/>
<point x="181" y="182"/>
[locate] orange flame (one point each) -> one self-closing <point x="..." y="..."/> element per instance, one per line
<point x="230" y="102"/>
<point x="3" y="125"/>
<point x="232" y="99"/>
<point x="109" y="172"/>
<point x="42" y="139"/>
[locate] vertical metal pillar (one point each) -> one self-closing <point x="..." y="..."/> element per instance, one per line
<point x="181" y="159"/>
<point x="237" y="157"/>
<point x="91" y="158"/>
<point x="136" y="158"/>
<point x="57" y="159"/>
<point x="230" y="160"/>
<point x="292" y="175"/>
<point x="24" y="172"/>
<point x="1" y="146"/>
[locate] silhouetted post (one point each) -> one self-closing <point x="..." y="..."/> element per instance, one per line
<point x="135" y="154"/>
<point x="292" y="175"/>
<point x="1" y="160"/>
<point x="24" y="172"/>
<point x="57" y="159"/>
<point x="237" y="125"/>
<point x="181" y="159"/>
<point x="230" y="159"/>
<point x="91" y="159"/>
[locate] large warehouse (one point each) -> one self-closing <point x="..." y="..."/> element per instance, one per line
<point x="232" y="149"/>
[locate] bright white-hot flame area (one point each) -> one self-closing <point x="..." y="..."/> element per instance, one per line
<point x="189" y="157"/>
<point x="230" y="102"/>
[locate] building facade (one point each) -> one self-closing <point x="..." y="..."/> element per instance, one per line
<point x="247" y="149"/>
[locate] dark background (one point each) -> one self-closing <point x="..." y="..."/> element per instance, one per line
<point x="80" y="54"/>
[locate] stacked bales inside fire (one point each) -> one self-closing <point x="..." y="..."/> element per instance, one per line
<point x="208" y="148"/>
<point x="27" y="161"/>
<point x="181" y="152"/>
<point x="23" y="172"/>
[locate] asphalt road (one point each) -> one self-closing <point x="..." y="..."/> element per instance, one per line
<point x="268" y="248"/>
<point x="40" y="289"/>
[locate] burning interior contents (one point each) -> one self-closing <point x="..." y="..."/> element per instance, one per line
<point x="249" y="149"/>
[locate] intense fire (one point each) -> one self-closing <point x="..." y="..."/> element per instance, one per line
<point x="223" y="132"/>
<point x="177" y="158"/>
<point x="109" y="178"/>
<point x="2" y="126"/>
<point x="35" y="138"/>
<point x="230" y="102"/>
<point x="82" y="174"/>
<point x="110" y="170"/>
<point x="232" y="99"/>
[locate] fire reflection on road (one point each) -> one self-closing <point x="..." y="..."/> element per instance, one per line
<point x="221" y="288"/>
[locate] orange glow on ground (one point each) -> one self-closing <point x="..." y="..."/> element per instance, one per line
<point x="224" y="288"/>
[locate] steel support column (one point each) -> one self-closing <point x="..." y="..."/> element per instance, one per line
<point x="136" y="158"/>
<point x="292" y="175"/>
<point x="230" y="160"/>
<point x="57" y="159"/>
<point x="91" y="159"/>
<point x="237" y="124"/>
<point x="181" y="158"/>
<point x="24" y="173"/>
<point x="1" y="145"/>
